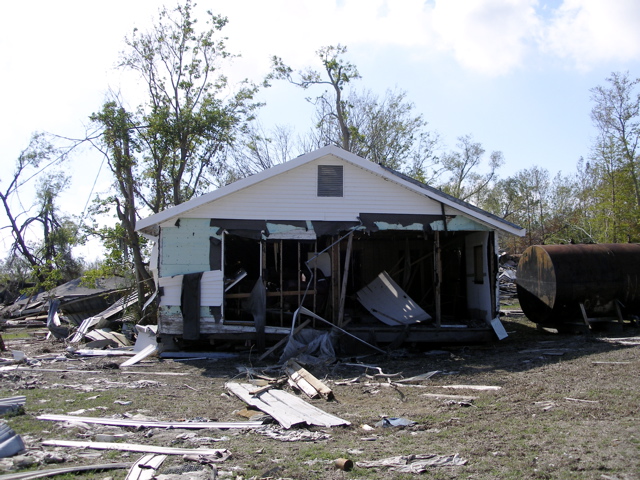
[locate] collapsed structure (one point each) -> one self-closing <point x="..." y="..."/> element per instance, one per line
<point x="332" y="238"/>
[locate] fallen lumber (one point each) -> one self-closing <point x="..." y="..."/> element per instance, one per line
<point x="470" y="387"/>
<point x="149" y="423"/>
<point x="287" y="409"/>
<point x="305" y="381"/>
<point x="62" y="471"/>
<point x="77" y="370"/>
<point x="132" y="447"/>
<point x="461" y="398"/>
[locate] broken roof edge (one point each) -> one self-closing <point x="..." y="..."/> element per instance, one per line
<point x="460" y="205"/>
<point x="149" y="226"/>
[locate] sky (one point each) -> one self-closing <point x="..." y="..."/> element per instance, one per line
<point x="514" y="74"/>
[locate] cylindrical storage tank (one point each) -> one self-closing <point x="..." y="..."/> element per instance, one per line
<point x="553" y="280"/>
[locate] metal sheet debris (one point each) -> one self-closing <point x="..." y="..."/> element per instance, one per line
<point x="10" y="443"/>
<point x="389" y="303"/>
<point x="131" y="447"/>
<point x="12" y="404"/>
<point x="150" y="423"/>
<point x="287" y="409"/>
<point x="146" y="467"/>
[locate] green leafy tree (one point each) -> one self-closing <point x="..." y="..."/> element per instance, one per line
<point x="461" y="169"/>
<point x="615" y="157"/>
<point x="384" y="129"/>
<point x="190" y="116"/>
<point x="43" y="237"/>
<point x="174" y="145"/>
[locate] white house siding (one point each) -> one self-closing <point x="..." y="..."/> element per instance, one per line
<point x="293" y="196"/>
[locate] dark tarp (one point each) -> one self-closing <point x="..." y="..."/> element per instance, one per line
<point x="252" y="228"/>
<point x="322" y="227"/>
<point x="257" y="306"/>
<point x="241" y="228"/>
<point x="190" y="306"/>
<point x="215" y="253"/>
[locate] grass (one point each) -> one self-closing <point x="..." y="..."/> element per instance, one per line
<point x="505" y="434"/>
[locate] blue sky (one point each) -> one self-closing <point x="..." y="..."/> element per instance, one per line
<point x="515" y="74"/>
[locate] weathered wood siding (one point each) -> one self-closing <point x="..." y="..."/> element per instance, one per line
<point x="293" y="196"/>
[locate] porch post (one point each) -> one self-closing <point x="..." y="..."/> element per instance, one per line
<point x="437" y="274"/>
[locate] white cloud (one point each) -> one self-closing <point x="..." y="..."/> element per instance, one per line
<point x="593" y="31"/>
<point x="487" y="36"/>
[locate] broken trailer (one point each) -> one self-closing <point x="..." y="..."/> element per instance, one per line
<point x="358" y="245"/>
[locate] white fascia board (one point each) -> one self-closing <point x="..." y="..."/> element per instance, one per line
<point x="175" y="212"/>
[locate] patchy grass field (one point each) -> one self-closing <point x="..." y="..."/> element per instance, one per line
<point x="567" y="408"/>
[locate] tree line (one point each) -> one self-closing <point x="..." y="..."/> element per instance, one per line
<point x="195" y="132"/>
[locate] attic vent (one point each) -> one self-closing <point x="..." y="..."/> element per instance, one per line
<point x="330" y="180"/>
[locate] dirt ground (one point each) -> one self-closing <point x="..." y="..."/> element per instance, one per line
<point x="563" y="407"/>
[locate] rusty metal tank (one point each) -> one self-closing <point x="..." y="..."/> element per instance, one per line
<point x="553" y="280"/>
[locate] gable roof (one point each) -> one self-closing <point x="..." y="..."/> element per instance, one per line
<point x="149" y="225"/>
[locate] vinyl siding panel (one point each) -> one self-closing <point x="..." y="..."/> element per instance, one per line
<point x="293" y="196"/>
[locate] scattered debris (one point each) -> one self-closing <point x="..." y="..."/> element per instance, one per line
<point x="146" y="467"/>
<point x="622" y="341"/>
<point x="545" y="405"/>
<point x="10" y="443"/>
<point x="387" y="422"/>
<point x="63" y="471"/>
<point x="344" y="464"/>
<point x="12" y="405"/>
<point x="544" y="351"/>
<point x="294" y="435"/>
<point x="461" y="398"/>
<point x="471" y="387"/>
<point x="389" y="303"/>
<point x="305" y="381"/>
<point x="414" y="463"/>
<point x="150" y="423"/>
<point x="580" y="400"/>
<point x="198" y="355"/>
<point x="418" y="378"/>
<point x="130" y="447"/>
<point x="146" y="352"/>
<point x="287" y="409"/>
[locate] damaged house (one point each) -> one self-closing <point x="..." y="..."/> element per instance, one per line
<point x="326" y="238"/>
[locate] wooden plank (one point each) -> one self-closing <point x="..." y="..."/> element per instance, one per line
<point x="345" y="277"/>
<point x="443" y="396"/>
<point x="471" y="387"/>
<point x="301" y="376"/>
<point x="146" y="466"/>
<point x="287" y="409"/>
<point x="149" y="423"/>
<point x="132" y="447"/>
